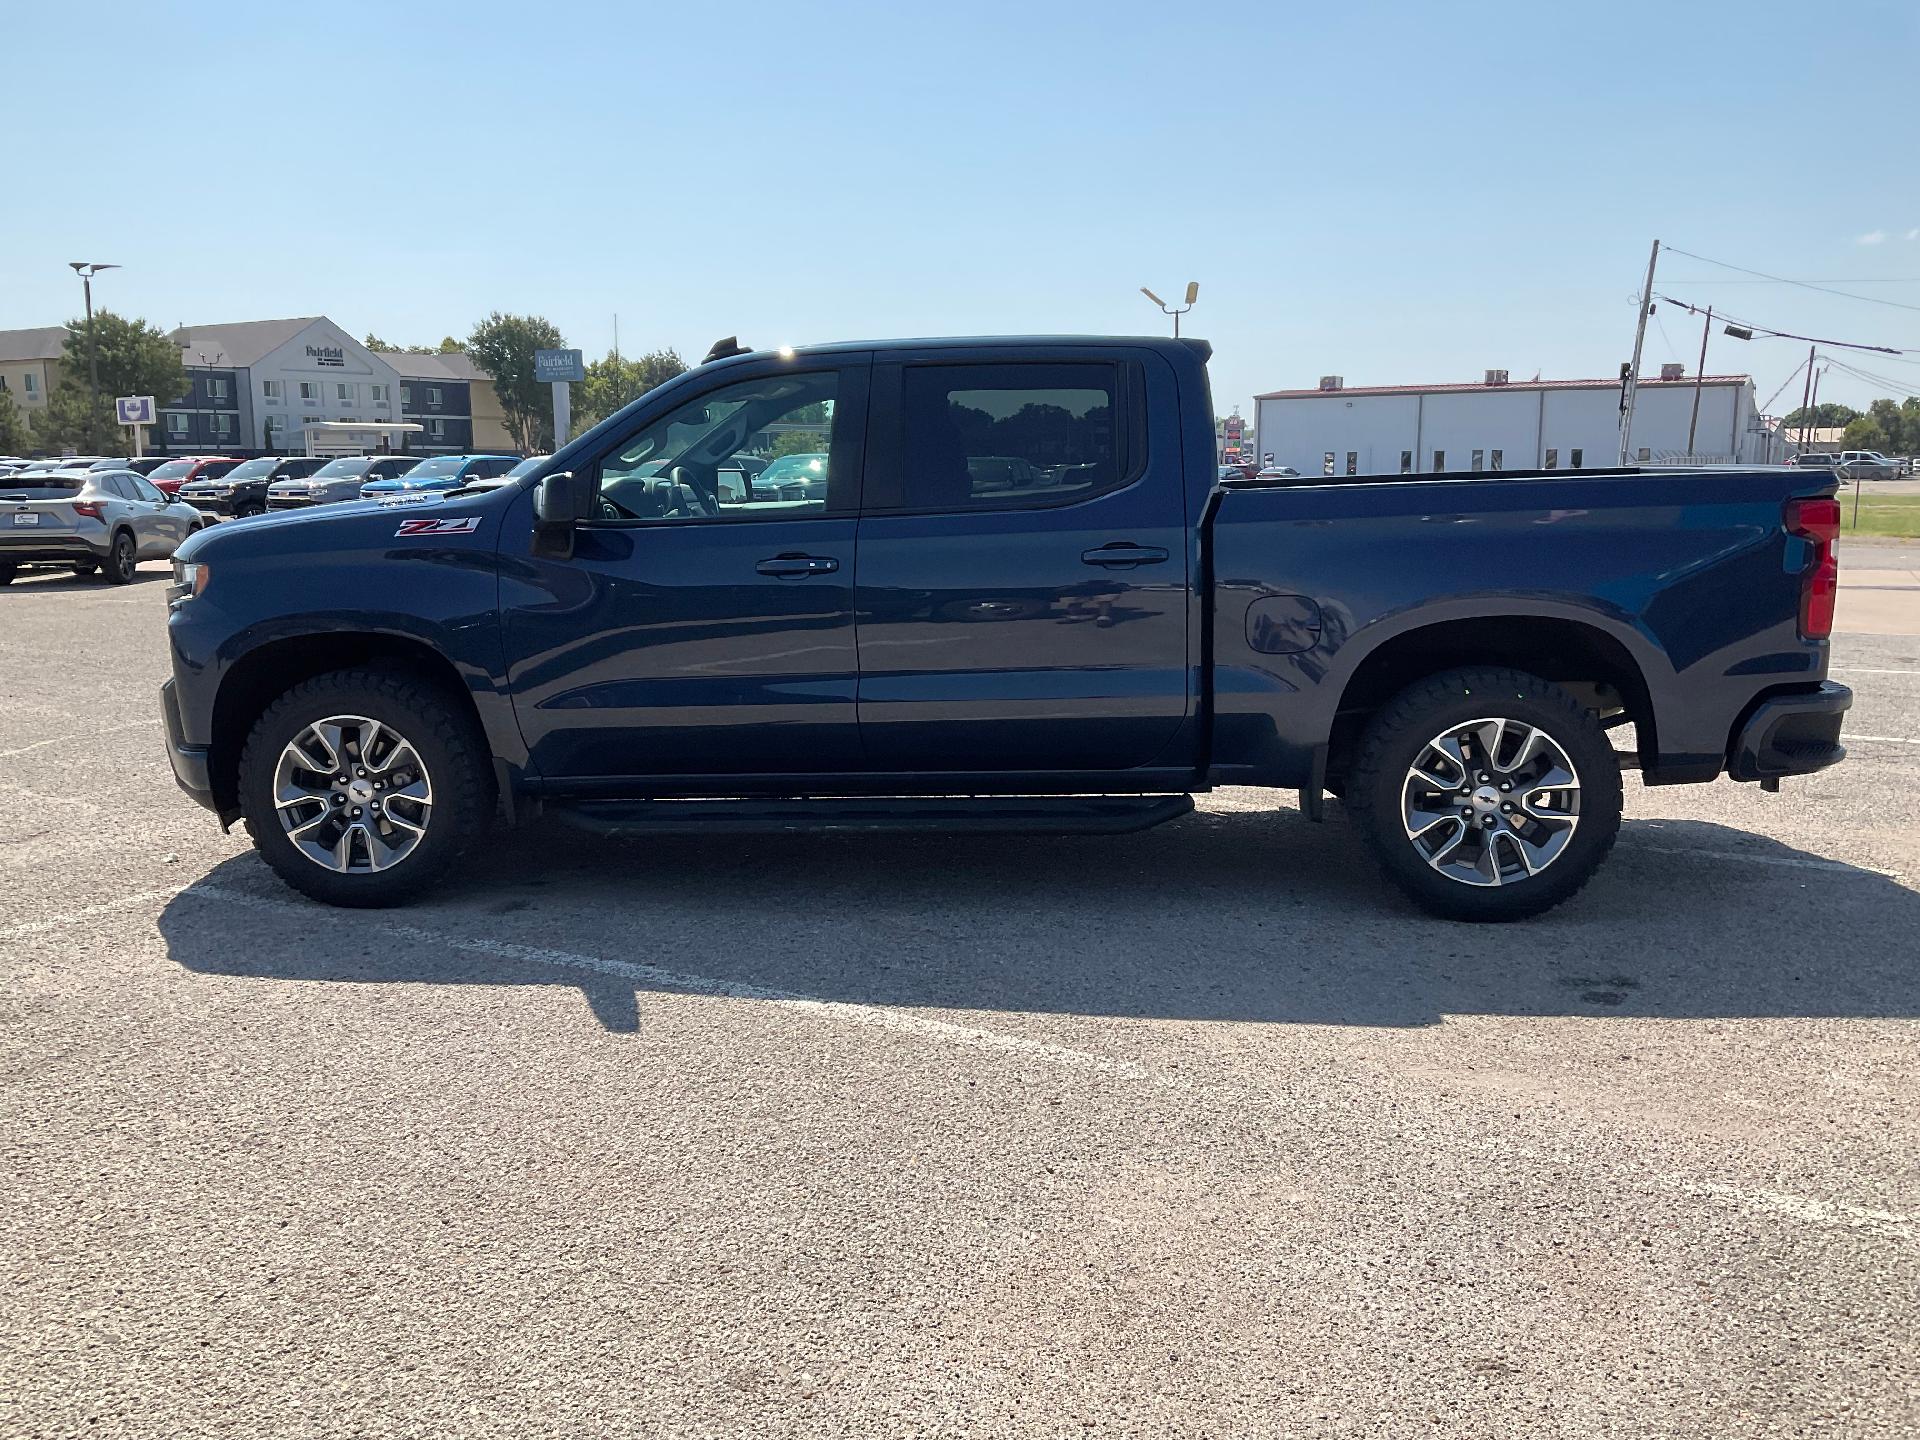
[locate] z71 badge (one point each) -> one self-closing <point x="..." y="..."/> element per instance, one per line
<point x="465" y="525"/>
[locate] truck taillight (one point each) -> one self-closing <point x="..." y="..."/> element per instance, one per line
<point x="89" y="508"/>
<point x="1817" y="521"/>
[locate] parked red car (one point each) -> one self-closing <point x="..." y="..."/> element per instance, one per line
<point x="176" y="472"/>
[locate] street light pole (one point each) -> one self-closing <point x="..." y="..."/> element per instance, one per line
<point x="86" y="270"/>
<point x="1193" y="294"/>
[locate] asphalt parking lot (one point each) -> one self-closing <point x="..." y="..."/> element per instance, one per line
<point x="1196" y="1132"/>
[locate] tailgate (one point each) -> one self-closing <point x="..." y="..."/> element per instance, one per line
<point x="36" y="517"/>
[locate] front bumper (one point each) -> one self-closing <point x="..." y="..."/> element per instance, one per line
<point x="299" y="500"/>
<point x="220" y="507"/>
<point x="190" y="768"/>
<point x="1793" y="732"/>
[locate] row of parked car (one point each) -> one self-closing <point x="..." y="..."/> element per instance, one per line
<point x="1855" y="464"/>
<point x="98" y="514"/>
<point x="224" y="486"/>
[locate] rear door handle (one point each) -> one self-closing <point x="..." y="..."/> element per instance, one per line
<point x="1121" y="553"/>
<point x="797" y="567"/>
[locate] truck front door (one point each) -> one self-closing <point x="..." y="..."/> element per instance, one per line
<point x="700" y="628"/>
<point x="1023" y="588"/>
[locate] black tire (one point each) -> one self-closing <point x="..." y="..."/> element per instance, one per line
<point x="1399" y="734"/>
<point x="7" y="572"/>
<point x="447" y="738"/>
<point x="122" y="562"/>
<point x="84" y="568"/>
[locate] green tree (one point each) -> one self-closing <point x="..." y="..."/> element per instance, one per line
<point x="134" y="358"/>
<point x="799" y="442"/>
<point x="617" y="381"/>
<point x="502" y="347"/>
<point x="1864" y="433"/>
<point x="1910" y="425"/>
<point x="1828" y="415"/>
<point x="451" y="346"/>
<point x="1892" y="421"/>
<point x="379" y="347"/>
<point x="15" y="436"/>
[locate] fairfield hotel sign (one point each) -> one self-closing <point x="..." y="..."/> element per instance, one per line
<point x="328" y="355"/>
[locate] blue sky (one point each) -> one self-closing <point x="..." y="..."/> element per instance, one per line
<point x="1392" y="192"/>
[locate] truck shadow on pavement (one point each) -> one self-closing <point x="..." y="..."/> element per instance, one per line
<point x="1239" y="915"/>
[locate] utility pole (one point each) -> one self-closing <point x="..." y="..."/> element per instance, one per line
<point x="1699" y="379"/>
<point x="1813" y="411"/>
<point x="1806" y="400"/>
<point x="86" y="270"/>
<point x="1630" y="382"/>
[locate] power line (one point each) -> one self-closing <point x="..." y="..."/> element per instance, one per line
<point x="1870" y="377"/>
<point x="1783" y="280"/>
<point x="1844" y="279"/>
<point x="1758" y="328"/>
<point x="1767" y="408"/>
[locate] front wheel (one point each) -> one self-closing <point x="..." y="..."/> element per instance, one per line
<point x="363" y="787"/>
<point x="1486" y="794"/>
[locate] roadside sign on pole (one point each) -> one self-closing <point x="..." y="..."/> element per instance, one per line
<point x="134" y="409"/>
<point x="551" y="365"/>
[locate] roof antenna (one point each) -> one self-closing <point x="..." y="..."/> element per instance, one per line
<point x="724" y="348"/>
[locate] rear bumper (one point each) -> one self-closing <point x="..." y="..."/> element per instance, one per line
<point x="1790" y="733"/>
<point x="52" y="549"/>
<point x="190" y="768"/>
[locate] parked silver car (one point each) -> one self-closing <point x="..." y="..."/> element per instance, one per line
<point x="87" y="520"/>
<point x="337" y="480"/>
<point x="1865" y="465"/>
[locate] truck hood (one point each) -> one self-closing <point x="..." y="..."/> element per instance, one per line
<point x="349" y="525"/>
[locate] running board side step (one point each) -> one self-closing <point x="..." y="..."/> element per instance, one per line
<point x="992" y="815"/>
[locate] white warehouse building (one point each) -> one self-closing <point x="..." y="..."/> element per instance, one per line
<point x="1337" y="429"/>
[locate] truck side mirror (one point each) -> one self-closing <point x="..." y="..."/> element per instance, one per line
<point x="560" y="502"/>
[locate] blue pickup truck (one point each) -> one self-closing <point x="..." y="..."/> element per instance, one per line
<point x="938" y="637"/>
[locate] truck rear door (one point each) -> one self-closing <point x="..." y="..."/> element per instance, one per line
<point x="1022" y="589"/>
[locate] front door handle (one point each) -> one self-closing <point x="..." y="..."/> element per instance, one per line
<point x="1122" y="553"/>
<point x="797" y="567"/>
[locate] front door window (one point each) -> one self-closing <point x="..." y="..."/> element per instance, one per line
<point x="758" y="450"/>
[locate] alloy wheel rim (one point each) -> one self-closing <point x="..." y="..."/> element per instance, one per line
<point x="352" y="794"/>
<point x="1491" y="802"/>
<point x="123" y="556"/>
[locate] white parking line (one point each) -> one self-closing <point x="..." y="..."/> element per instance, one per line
<point x="878" y="1017"/>
<point x="67" y="739"/>
<point x="1868" y="670"/>
<point x="1884" y="739"/>
<point x="1777" y="1203"/>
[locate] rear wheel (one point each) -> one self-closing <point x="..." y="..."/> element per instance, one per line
<point x="122" y="561"/>
<point x="363" y="787"/>
<point x="1486" y="794"/>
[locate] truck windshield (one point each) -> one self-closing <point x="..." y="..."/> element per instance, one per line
<point x="254" y="468"/>
<point x="345" y="465"/>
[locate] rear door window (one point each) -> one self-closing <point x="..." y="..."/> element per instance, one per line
<point x="1010" y="436"/>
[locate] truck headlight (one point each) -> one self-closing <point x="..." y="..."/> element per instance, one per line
<point x="189" y="579"/>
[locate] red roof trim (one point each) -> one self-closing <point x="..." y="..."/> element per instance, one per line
<point x="1468" y="387"/>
